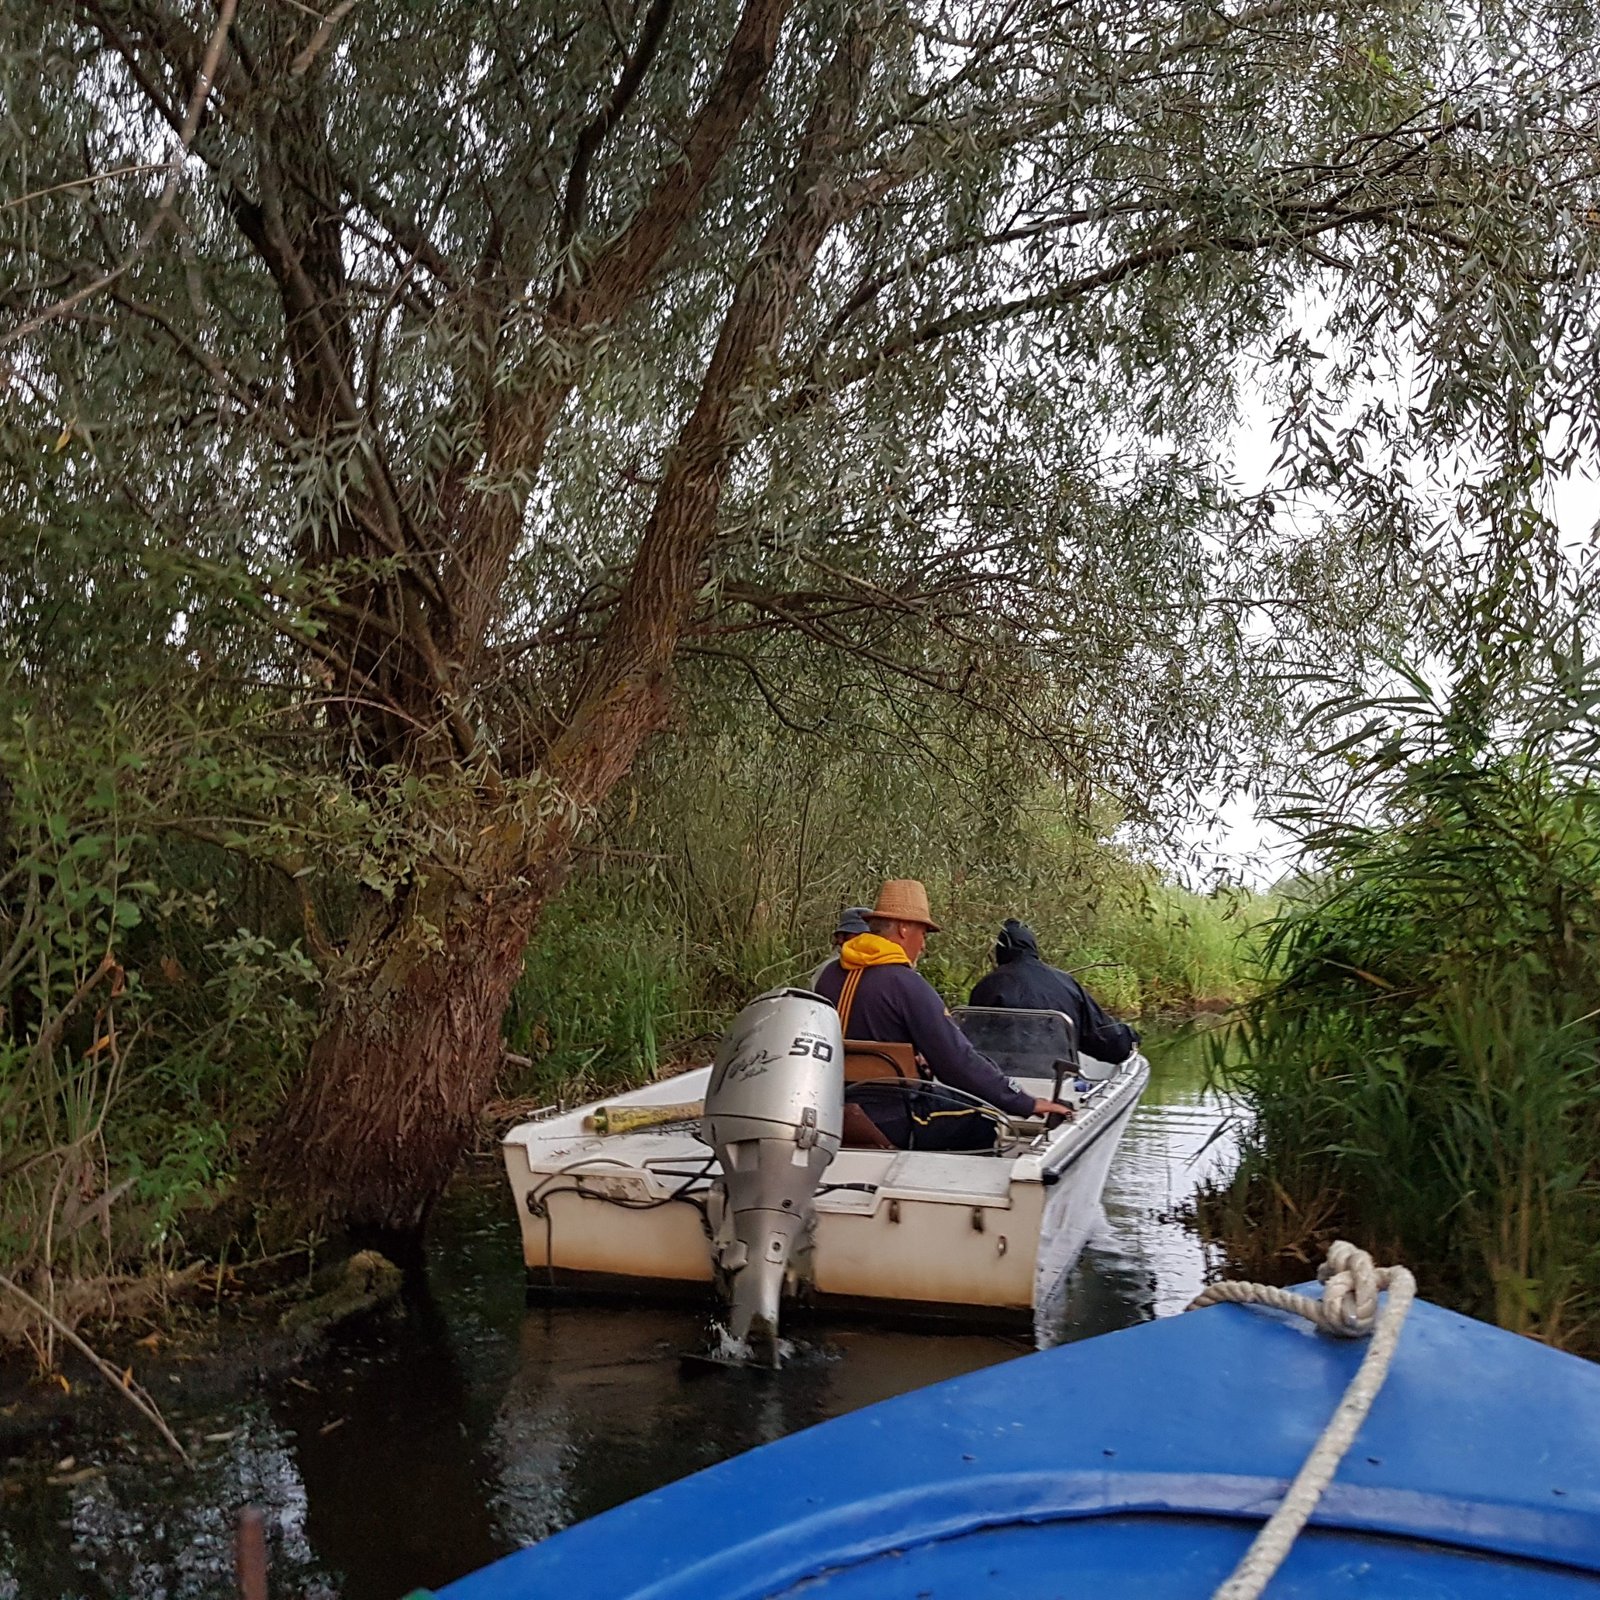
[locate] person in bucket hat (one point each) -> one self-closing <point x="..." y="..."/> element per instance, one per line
<point x="882" y="997"/>
<point x="852" y="920"/>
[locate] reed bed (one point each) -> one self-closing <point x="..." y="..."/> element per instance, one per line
<point x="659" y="939"/>
<point x="1419" y="1069"/>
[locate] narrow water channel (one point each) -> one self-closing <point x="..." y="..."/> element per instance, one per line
<point x="473" y="1424"/>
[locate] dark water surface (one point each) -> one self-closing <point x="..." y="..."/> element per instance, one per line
<point x="472" y="1425"/>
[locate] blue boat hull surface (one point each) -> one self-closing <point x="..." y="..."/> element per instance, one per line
<point x="1139" y="1463"/>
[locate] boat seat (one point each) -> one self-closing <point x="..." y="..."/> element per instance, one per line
<point x="860" y="1132"/>
<point x="866" y="1060"/>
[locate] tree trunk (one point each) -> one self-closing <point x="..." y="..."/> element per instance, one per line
<point x="410" y="1036"/>
<point x="409" y="1039"/>
<point x="404" y="1060"/>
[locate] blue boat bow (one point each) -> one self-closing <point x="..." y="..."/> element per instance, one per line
<point x="1139" y="1463"/>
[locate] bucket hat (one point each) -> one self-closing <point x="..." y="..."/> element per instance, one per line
<point x="905" y="900"/>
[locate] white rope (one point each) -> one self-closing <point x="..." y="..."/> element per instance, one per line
<point x="1348" y="1308"/>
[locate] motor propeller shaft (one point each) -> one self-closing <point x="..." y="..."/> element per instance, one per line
<point x="774" y="1110"/>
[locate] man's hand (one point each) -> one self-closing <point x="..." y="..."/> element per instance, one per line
<point x="1053" y="1108"/>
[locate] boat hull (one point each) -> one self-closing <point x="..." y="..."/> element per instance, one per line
<point x="1136" y="1464"/>
<point x="964" y="1236"/>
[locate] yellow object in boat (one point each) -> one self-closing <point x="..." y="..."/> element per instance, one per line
<point x="630" y="1119"/>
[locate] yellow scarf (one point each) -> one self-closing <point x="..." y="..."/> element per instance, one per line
<point x="869" y="950"/>
<point x="863" y="951"/>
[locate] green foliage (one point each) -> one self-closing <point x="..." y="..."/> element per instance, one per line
<point x="602" y="996"/>
<point x="1420" y="1070"/>
<point x="983" y="448"/>
<point x="142" y="1031"/>
<point x="450" y="399"/>
<point x="729" y="857"/>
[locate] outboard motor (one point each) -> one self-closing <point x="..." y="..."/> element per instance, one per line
<point x="774" y="1111"/>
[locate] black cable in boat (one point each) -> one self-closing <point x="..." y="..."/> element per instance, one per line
<point x="541" y="1195"/>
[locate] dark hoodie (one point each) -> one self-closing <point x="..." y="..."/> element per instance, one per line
<point x="1022" y="982"/>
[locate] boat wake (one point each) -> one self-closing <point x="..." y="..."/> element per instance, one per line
<point x="723" y="1349"/>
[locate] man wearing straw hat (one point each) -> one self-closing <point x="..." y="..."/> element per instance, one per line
<point x="880" y="996"/>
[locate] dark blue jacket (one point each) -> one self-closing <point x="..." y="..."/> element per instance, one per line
<point x="896" y="1005"/>
<point x="1022" y="982"/>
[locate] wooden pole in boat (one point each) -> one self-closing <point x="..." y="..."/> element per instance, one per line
<point x="629" y="1119"/>
<point x="250" y="1555"/>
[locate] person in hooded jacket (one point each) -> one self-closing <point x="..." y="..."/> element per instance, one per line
<point x="1022" y="981"/>
<point x="881" y="996"/>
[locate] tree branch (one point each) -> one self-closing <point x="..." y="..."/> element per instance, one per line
<point x="624" y="267"/>
<point x="302" y="63"/>
<point x="594" y="134"/>
<point x="169" y="191"/>
<point x="84" y="183"/>
<point x="405" y="233"/>
<point x="647" y="624"/>
<point x="1192" y="241"/>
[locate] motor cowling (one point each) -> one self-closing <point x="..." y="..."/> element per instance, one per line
<point x="773" y="1114"/>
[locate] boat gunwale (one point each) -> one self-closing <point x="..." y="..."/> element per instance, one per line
<point x="1031" y="1164"/>
<point x="866" y="1528"/>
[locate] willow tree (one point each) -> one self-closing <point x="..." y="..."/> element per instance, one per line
<point x="507" y="351"/>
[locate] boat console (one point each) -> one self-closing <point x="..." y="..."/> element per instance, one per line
<point x="1034" y="1044"/>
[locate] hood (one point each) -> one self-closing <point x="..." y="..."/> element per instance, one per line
<point x="1016" y="940"/>
<point x="871" y="950"/>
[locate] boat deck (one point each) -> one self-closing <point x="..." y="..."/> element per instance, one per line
<point x="665" y="1156"/>
<point x="1138" y="1464"/>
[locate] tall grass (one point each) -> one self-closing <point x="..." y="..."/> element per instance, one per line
<point x="717" y="881"/>
<point x="1140" y="942"/>
<point x="604" y="994"/>
<point x="143" y="1033"/>
<point x="1420" y="1068"/>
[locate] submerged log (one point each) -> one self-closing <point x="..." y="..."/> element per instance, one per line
<point x="365" y="1282"/>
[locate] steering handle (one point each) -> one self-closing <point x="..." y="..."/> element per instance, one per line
<point x="1055" y="1119"/>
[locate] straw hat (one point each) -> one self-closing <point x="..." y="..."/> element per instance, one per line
<point x="905" y="900"/>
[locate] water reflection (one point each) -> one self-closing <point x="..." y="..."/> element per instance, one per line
<point x="1142" y="1261"/>
<point x="396" y="1483"/>
<point x="472" y="1425"/>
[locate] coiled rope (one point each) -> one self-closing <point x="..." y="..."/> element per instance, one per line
<point x="1349" y="1309"/>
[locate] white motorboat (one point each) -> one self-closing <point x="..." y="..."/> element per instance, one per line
<point x="954" y="1234"/>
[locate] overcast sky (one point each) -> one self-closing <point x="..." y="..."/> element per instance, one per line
<point x="1240" y="844"/>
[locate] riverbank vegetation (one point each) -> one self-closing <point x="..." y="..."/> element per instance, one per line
<point x="1421" y="1070"/>
<point x="163" y="988"/>
<point x="512" y="515"/>
<point x="718" y="891"/>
